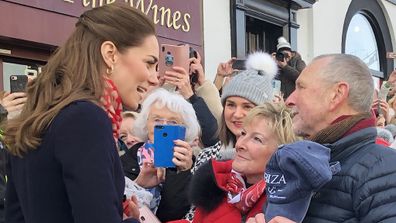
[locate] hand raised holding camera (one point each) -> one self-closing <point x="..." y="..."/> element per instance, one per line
<point x="281" y="61"/>
<point x="196" y="68"/>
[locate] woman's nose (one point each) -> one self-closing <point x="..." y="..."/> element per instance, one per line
<point x="239" y="112"/>
<point x="241" y="143"/>
<point x="154" y="79"/>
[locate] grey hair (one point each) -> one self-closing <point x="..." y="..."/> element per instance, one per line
<point x="175" y="103"/>
<point x="352" y="70"/>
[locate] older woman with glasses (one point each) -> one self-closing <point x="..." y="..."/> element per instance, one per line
<point x="169" y="187"/>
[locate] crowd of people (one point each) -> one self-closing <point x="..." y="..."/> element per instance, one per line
<point x="80" y="145"/>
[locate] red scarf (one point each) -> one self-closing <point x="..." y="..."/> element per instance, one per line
<point x="112" y="104"/>
<point x="247" y="196"/>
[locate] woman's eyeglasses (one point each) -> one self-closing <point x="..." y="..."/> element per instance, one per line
<point x="163" y="121"/>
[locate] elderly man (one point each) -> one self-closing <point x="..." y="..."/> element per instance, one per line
<point x="332" y="104"/>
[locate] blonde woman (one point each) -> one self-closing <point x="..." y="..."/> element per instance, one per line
<point x="217" y="185"/>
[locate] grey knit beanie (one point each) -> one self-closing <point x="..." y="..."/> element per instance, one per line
<point x="254" y="83"/>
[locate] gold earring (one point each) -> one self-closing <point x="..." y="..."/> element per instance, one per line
<point x="110" y="70"/>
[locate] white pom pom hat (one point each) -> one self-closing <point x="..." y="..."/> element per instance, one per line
<point x="254" y="83"/>
<point x="282" y="43"/>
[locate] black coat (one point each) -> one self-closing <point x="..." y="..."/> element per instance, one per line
<point x="73" y="176"/>
<point x="365" y="189"/>
<point x="206" y="120"/>
<point x="174" y="202"/>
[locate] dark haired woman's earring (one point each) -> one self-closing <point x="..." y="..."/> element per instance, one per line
<point x="110" y="70"/>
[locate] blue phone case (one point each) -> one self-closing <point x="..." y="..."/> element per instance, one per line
<point x="164" y="135"/>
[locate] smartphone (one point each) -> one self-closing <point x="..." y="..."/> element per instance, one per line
<point x="146" y="215"/>
<point x="383" y="93"/>
<point x="164" y="135"/>
<point x="193" y="75"/>
<point x="276" y="86"/>
<point x="239" y="64"/>
<point x="170" y="56"/>
<point x="18" y="83"/>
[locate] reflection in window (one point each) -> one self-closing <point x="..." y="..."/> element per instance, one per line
<point x="361" y="42"/>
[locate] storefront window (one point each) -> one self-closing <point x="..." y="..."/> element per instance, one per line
<point x="361" y="41"/>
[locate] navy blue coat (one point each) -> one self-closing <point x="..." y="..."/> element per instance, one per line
<point x="365" y="188"/>
<point x="74" y="176"/>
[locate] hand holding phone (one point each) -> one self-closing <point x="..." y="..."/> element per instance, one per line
<point x="183" y="155"/>
<point x="164" y="137"/>
<point x="239" y="64"/>
<point x="170" y="56"/>
<point x="383" y="93"/>
<point x="18" y="83"/>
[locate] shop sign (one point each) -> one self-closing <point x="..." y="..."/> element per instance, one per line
<point x="179" y="20"/>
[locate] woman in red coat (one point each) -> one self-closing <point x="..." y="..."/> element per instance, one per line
<point x="233" y="191"/>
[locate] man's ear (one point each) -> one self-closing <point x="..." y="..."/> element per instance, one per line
<point x="109" y="54"/>
<point x="339" y="95"/>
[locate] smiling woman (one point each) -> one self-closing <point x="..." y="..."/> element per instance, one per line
<point x="233" y="191"/>
<point x="242" y="93"/>
<point x="65" y="135"/>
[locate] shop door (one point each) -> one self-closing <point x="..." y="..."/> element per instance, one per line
<point x="261" y="35"/>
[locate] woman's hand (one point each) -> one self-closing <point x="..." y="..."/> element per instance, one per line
<point x="383" y="108"/>
<point x="150" y="176"/>
<point x="182" y="155"/>
<point x="14" y="101"/>
<point x="131" y="208"/>
<point x="225" y="69"/>
<point x="196" y="67"/>
<point x="181" y="79"/>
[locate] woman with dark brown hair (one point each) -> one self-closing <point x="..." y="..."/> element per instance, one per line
<point x="64" y="164"/>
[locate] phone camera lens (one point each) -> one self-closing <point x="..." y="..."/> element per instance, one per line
<point x="142" y="218"/>
<point x="168" y="59"/>
<point x="165" y="134"/>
